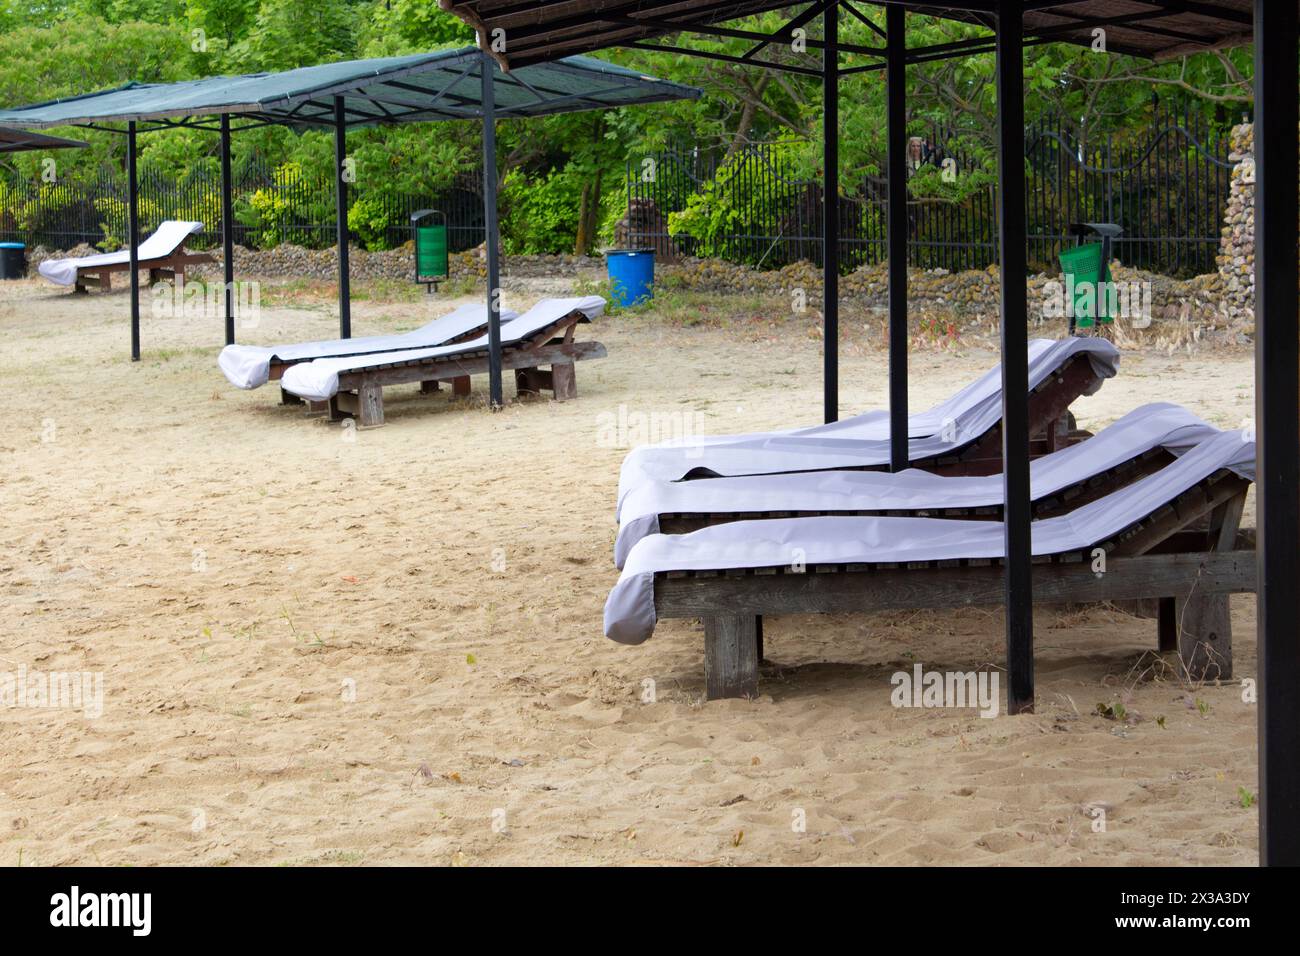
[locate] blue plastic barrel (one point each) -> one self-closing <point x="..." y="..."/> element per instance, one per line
<point x="631" y="275"/>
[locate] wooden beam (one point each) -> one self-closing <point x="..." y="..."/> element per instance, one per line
<point x="1144" y="576"/>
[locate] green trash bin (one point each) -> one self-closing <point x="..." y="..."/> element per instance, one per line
<point x="1085" y="268"/>
<point x="429" y="232"/>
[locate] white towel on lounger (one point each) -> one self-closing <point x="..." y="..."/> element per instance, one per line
<point x="249" y="366"/>
<point x="319" y="380"/>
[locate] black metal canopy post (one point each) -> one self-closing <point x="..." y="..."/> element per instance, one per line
<point x="133" y="236"/>
<point x="341" y="202"/>
<point x="1277" y="395"/>
<point x="227" y="229"/>
<point x="831" y="213"/>
<point x="1015" y="356"/>
<point x="491" y="238"/>
<point x="896" y="126"/>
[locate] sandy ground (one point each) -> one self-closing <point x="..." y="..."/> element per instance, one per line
<point x="320" y="645"/>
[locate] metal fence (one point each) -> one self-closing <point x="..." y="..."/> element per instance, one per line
<point x="1167" y="190"/>
<point x="272" y="205"/>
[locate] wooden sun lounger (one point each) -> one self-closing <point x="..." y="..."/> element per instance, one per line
<point x="360" y="393"/>
<point x="1189" y="556"/>
<point x="167" y="269"/>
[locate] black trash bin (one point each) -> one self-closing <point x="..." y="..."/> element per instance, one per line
<point x="13" y="260"/>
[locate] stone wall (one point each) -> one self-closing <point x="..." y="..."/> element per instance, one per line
<point x="970" y="298"/>
<point x="1237" y="246"/>
<point x="288" y="261"/>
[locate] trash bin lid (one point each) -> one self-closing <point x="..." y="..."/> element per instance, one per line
<point x="13" y="245"/>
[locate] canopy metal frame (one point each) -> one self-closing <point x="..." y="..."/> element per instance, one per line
<point x="1162" y="28"/>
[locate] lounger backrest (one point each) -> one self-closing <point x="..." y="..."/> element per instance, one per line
<point x="545" y="314"/>
<point x="167" y="238"/>
<point x="1107" y="517"/>
<point x="447" y="328"/>
<point x="975" y="408"/>
<point x="516" y="331"/>
<point x="1158" y="425"/>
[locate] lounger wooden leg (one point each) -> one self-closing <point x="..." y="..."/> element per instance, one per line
<point x="289" y="398"/>
<point x="564" y="381"/>
<point x="429" y="386"/>
<point x="334" y="411"/>
<point x="1204" y="621"/>
<point x="1058" y="434"/>
<point x="531" y="381"/>
<point x="758" y="638"/>
<point x="460" y="386"/>
<point x="731" y="656"/>
<point x="370" y="398"/>
<point x="1205" y="636"/>
<point x="1167" y="617"/>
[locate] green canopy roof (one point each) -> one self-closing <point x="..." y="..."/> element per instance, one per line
<point x="420" y="88"/>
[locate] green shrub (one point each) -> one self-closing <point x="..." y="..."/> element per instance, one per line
<point x="540" y="217"/>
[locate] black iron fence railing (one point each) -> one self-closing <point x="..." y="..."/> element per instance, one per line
<point x="273" y="205"/>
<point x="1168" y="190"/>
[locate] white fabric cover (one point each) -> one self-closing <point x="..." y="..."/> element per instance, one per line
<point x="1151" y="426"/>
<point x="319" y="379"/>
<point x="249" y="366"/>
<point x="171" y="235"/>
<point x="862" y="440"/>
<point x="630" y="610"/>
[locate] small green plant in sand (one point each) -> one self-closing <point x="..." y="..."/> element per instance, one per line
<point x="1116" y="711"/>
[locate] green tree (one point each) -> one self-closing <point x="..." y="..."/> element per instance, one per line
<point x="286" y="34"/>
